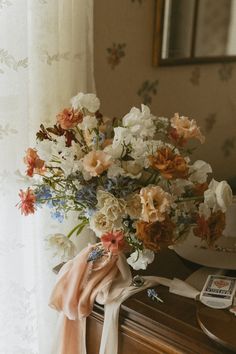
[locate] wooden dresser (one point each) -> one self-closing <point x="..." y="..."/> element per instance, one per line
<point x="147" y="327"/>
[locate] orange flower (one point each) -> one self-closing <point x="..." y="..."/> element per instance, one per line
<point x="96" y="162"/>
<point x="113" y="241"/>
<point x="169" y="164"/>
<point x="27" y="202"/>
<point x="69" y="118"/>
<point x="34" y="163"/>
<point x="210" y="229"/>
<point x="155" y="234"/>
<point x="185" y="129"/>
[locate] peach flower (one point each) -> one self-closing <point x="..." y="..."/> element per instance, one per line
<point x="96" y="162"/>
<point x="155" y="203"/>
<point x="185" y="129"/>
<point x="169" y="164"/>
<point x="34" y="163"/>
<point x="113" y="241"/>
<point x="69" y="118"/>
<point x="27" y="201"/>
<point x="155" y="234"/>
<point x="210" y="229"/>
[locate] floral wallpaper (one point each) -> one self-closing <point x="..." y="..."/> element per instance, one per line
<point x="125" y="77"/>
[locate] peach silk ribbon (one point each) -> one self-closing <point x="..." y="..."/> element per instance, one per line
<point x="109" y="281"/>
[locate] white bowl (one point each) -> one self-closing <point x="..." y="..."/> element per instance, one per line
<point x="222" y="255"/>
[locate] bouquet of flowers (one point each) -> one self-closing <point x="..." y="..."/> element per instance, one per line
<point x="130" y="180"/>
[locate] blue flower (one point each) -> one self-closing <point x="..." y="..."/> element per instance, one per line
<point x="87" y="196"/>
<point x="42" y="193"/>
<point x="120" y="186"/>
<point x="57" y="215"/>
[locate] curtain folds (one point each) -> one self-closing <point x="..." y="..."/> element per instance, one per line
<point x="46" y="57"/>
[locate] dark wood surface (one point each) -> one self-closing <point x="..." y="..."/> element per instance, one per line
<point x="147" y="327"/>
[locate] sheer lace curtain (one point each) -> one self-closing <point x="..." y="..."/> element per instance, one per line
<point x="46" y="56"/>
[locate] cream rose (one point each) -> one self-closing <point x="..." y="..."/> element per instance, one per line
<point x="155" y="203"/>
<point x="100" y="224"/>
<point x="112" y="207"/>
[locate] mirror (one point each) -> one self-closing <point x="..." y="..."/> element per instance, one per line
<point x="194" y="31"/>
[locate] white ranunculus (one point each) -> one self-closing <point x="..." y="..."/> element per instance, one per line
<point x="199" y="171"/>
<point x="62" y="246"/>
<point x="88" y="123"/>
<point x="140" y="259"/>
<point x="140" y="122"/>
<point x="218" y="195"/>
<point x="88" y="101"/>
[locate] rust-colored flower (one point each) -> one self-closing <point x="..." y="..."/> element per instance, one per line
<point x="169" y="164"/>
<point x="156" y="234"/>
<point x="34" y="163"/>
<point x="69" y="118"/>
<point x="113" y="241"/>
<point x="210" y="229"/>
<point x="27" y="202"/>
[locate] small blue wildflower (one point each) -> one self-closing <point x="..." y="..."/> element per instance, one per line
<point x="42" y="193"/>
<point x="57" y="215"/>
<point x="120" y="186"/>
<point x="153" y="295"/>
<point x="95" y="254"/>
<point x="87" y="195"/>
<point x="55" y="203"/>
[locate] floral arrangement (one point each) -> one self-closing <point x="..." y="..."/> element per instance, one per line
<point x="130" y="180"/>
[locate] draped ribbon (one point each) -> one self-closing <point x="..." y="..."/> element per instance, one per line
<point x="109" y="281"/>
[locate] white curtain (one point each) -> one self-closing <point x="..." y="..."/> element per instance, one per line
<point x="46" y="57"/>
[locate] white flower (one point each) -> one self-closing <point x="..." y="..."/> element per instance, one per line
<point x="88" y="123"/>
<point x="140" y="123"/>
<point x="121" y="138"/>
<point x="88" y="101"/>
<point x="140" y="259"/>
<point x="44" y="149"/>
<point x="62" y="245"/>
<point x="218" y="196"/>
<point x="199" y="171"/>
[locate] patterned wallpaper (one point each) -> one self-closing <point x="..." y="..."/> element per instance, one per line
<point x="125" y="77"/>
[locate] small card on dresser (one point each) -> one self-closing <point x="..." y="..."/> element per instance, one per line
<point x="218" y="291"/>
